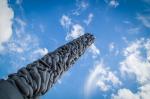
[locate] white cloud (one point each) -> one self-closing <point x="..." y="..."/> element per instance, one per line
<point x="76" y="31"/>
<point x="143" y="93"/>
<point x="101" y="77"/>
<point x="144" y="19"/>
<point x="136" y="62"/>
<point x="81" y="6"/>
<point x="41" y="51"/>
<point x="6" y="17"/>
<point x="20" y="22"/>
<point x="94" y="50"/>
<point x="21" y="26"/>
<point x="65" y="21"/>
<point x="112" y="3"/>
<point x="21" y="43"/>
<point x="89" y="20"/>
<point x="20" y="46"/>
<point x="125" y="94"/>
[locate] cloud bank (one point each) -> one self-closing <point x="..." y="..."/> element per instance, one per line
<point x="137" y="64"/>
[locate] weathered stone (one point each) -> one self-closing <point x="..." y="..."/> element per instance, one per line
<point x="38" y="77"/>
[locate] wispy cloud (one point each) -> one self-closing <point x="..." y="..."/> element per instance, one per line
<point x="134" y="30"/>
<point x="23" y="47"/>
<point x="145" y="19"/>
<point x="6" y="21"/>
<point x="89" y="20"/>
<point x="81" y="6"/>
<point x="94" y="50"/>
<point x="65" y="21"/>
<point x="112" y="3"/>
<point x="76" y="31"/>
<point x="101" y="77"/>
<point x="21" y="26"/>
<point x="113" y="48"/>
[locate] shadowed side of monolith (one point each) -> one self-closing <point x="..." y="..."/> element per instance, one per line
<point x="38" y="77"/>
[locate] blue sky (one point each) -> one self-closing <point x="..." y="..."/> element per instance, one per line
<point x="116" y="66"/>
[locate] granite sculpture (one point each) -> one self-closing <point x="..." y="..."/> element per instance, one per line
<point x="37" y="78"/>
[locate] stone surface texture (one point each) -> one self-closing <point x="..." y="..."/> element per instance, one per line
<point x="38" y="77"/>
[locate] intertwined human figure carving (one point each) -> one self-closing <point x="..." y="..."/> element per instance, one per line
<point x="37" y="78"/>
